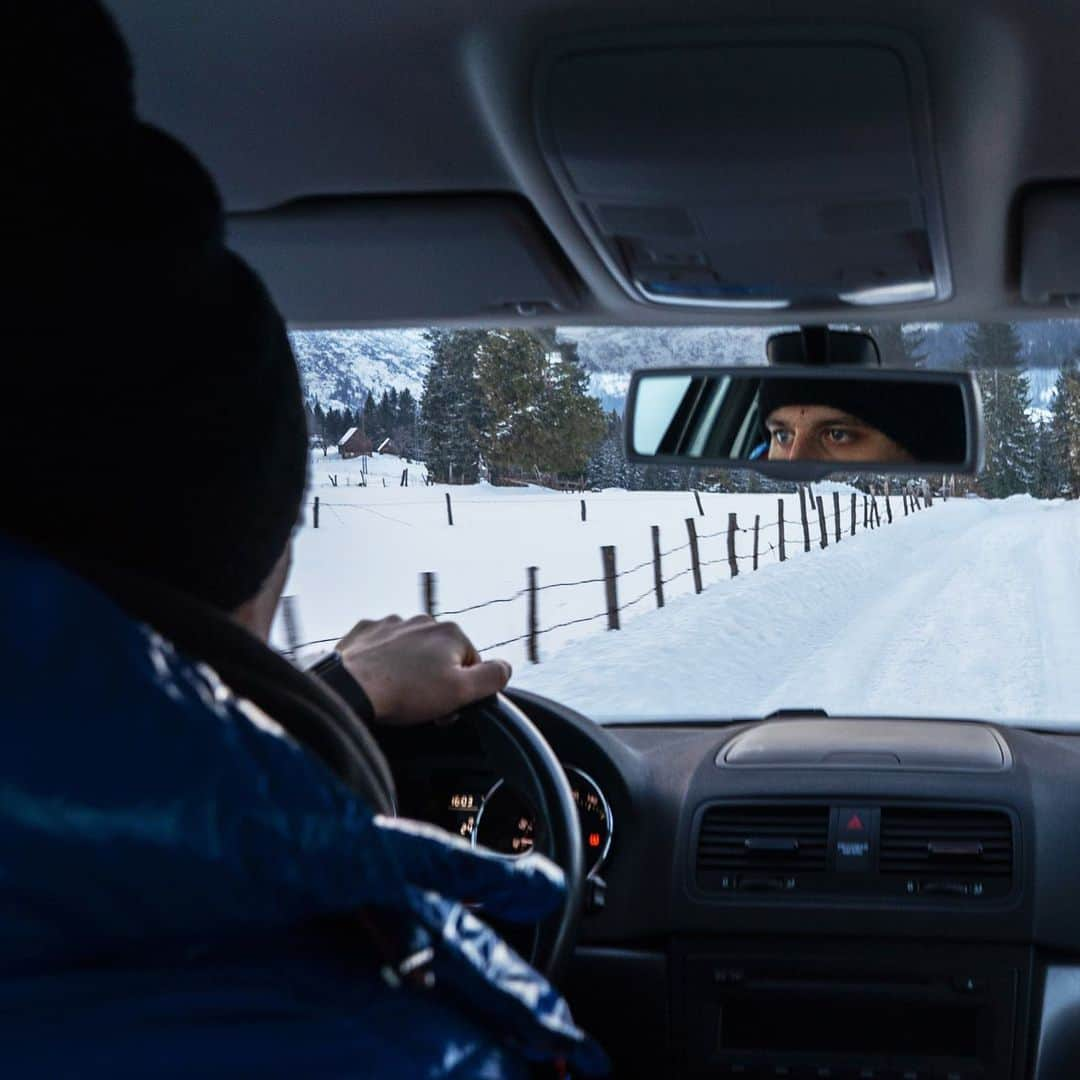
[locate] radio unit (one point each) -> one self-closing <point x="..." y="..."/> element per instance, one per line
<point x="821" y="1012"/>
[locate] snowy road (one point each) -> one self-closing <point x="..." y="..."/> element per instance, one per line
<point x="971" y="609"/>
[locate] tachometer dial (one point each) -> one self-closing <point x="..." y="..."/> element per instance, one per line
<point x="507" y="823"/>
<point x="594" y="815"/>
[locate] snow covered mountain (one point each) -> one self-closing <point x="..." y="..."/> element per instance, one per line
<point x="624" y="348"/>
<point x="340" y="367"/>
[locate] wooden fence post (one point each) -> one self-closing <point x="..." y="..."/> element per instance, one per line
<point x="404" y="478"/>
<point x="607" y="559"/>
<point x="532" y="650"/>
<point x="823" y="528"/>
<point x="695" y="560"/>
<point x="290" y="617"/>
<point x="732" y="529"/>
<point x="582" y="509"/>
<point x="657" y="569"/>
<point x="449" y="509"/>
<point x="888" y="510"/>
<point x="427" y="592"/>
<point x="836" y="515"/>
<point x="805" y="521"/>
<point x="780" y="528"/>
<point x="315" y="513"/>
<point x="697" y="499"/>
<point x="853" y="503"/>
<point x="757" y="530"/>
<point x="865" y="512"/>
<point x="877" y="512"/>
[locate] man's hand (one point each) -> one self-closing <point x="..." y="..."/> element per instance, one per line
<point x="417" y="670"/>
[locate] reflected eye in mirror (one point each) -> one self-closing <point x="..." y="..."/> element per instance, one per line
<point x="806" y="421"/>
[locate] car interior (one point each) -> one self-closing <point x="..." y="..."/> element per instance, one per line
<point x="788" y="895"/>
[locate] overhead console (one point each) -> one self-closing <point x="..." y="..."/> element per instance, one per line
<point x="750" y="170"/>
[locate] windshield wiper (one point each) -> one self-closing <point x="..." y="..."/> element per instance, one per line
<point x="787" y="714"/>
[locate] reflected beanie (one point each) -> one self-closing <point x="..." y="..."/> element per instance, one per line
<point x="921" y="417"/>
<point x="151" y="418"/>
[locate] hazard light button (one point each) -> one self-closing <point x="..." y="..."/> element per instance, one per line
<point x="855" y="838"/>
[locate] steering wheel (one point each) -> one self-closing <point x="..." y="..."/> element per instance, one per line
<point x="513" y="744"/>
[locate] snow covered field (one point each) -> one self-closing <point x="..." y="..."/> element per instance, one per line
<point x="966" y="609"/>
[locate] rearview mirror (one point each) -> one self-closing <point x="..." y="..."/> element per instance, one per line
<point x="805" y="422"/>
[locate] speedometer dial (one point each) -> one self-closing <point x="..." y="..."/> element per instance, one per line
<point x="507" y="822"/>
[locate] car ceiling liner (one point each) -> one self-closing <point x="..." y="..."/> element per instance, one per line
<point x="750" y="169"/>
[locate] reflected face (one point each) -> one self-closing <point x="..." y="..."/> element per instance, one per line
<point x="822" y="433"/>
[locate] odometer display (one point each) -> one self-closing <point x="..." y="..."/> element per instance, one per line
<point x="507" y="822"/>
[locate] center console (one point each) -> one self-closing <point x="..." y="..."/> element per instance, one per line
<point x="850" y="1011"/>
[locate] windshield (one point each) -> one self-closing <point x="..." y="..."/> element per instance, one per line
<point x="480" y="476"/>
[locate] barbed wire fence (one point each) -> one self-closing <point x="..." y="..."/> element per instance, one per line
<point x="818" y="524"/>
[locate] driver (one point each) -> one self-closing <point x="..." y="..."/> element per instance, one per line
<point x="838" y="420"/>
<point x="191" y="889"/>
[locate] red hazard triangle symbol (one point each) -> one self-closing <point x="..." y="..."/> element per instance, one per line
<point x="854" y="823"/>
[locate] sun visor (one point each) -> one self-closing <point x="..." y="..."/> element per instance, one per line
<point x="393" y="261"/>
<point x="753" y="172"/>
<point x="1050" y="246"/>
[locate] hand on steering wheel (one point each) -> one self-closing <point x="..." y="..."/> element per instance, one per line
<point x="418" y="670"/>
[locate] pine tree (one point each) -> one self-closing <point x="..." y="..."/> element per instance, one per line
<point x="369" y="417"/>
<point x="607" y="466"/>
<point x="573" y="420"/>
<point x="510" y="370"/>
<point x="384" y="418"/>
<point x="451" y="409"/>
<point x="1063" y="435"/>
<point x="901" y="346"/>
<point x="1011" y="437"/>
<point x="542" y="419"/>
<point x="1047" y="479"/>
<point x="403" y="432"/>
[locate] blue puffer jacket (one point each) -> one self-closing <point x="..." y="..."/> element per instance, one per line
<point x="160" y="842"/>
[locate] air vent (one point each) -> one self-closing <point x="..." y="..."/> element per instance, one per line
<point x="766" y="845"/>
<point x="934" y="847"/>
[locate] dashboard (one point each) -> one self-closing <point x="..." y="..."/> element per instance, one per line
<point x="803" y="896"/>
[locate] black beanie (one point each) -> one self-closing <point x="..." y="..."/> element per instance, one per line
<point x="152" y="417"/>
<point x="921" y="417"/>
